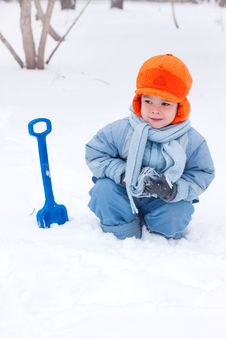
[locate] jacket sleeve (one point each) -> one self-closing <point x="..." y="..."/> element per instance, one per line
<point x="198" y="174"/>
<point x="102" y="155"/>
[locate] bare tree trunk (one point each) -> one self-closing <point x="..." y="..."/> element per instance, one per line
<point x="12" y="50"/>
<point x="45" y="29"/>
<point x="27" y="36"/>
<point x="41" y="16"/>
<point x="174" y="15"/>
<point x="117" y="4"/>
<point x="222" y="3"/>
<point x="67" y="4"/>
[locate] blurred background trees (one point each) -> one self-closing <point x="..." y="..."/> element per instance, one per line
<point x="71" y="4"/>
<point x="34" y="56"/>
<point x="117" y="4"/>
<point x="68" y="4"/>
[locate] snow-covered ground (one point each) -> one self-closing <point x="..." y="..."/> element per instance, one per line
<point x="73" y="281"/>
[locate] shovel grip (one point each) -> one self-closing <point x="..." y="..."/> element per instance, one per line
<point x="39" y="134"/>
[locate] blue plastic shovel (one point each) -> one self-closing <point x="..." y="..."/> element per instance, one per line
<point x="51" y="212"/>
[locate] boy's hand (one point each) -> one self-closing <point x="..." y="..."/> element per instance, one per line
<point x="159" y="187"/>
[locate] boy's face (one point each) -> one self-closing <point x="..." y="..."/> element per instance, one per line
<point x="156" y="111"/>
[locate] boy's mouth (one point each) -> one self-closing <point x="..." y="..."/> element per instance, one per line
<point x="156" y="119"/>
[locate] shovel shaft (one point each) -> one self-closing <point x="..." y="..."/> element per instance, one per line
<point x="46" y="178"/>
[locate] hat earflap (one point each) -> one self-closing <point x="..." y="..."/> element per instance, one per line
<point x="137" y="104"/>
<point x="183" y="111"/>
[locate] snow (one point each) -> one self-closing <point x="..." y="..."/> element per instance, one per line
<point x="73" y="281"/>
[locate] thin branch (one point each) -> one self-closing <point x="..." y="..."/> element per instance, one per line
<point x="41" y="16"/>
<point x="174" y="15"/>
<point x="67" y="32"/>
<point x="12" y="50"/>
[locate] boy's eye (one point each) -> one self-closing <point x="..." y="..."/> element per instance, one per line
<point x="147" y="101"/>
<point x="165" y="104"/>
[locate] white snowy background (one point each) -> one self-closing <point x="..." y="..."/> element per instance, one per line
<point x="73" y="281"/>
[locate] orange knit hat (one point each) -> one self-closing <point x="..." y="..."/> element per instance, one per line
<point x="168" y="77"/>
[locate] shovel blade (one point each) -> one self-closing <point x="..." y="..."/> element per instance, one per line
<point x="56" y="214"/>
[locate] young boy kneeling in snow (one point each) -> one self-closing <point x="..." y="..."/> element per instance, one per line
<point x="151" y="166"/>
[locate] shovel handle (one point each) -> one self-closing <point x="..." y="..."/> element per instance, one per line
<point x="34" y="122"/>
<point x="43" y="156"/>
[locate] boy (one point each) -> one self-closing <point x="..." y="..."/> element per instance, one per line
<point x="152" y="166"/>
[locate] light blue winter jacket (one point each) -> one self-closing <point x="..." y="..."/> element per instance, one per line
<point x="107" y="151"/>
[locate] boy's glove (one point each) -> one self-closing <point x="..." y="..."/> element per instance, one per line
<point x="159" y="187"/>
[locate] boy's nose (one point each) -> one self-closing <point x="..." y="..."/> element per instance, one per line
<point x="155" y="109"/>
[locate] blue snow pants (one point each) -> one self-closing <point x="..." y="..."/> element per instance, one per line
<point x="110" y="203"/>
